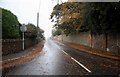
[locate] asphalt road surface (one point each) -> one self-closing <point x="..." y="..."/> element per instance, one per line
<point x="58" y="59"/>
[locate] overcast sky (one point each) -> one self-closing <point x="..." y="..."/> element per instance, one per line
<point x="26" y="11"/>
<point x="94" y="0"/>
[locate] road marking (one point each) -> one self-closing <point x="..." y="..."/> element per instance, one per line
<point x="65" y="52"/>
<point x="80" y="64"/>
<point x="77" y="62"/>
<point x="60" y="43"/>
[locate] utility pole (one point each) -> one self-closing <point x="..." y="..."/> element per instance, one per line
<point x="37" y="27"/>
<point x="59" y="1"/>
<point x="38" y="19"/>
<point x="38" y="23"/>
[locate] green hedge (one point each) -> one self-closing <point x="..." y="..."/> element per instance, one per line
<point x="10" y="25"/>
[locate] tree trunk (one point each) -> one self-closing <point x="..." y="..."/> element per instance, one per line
<point x="104" y="41"/>
<point x="91" y="39"/>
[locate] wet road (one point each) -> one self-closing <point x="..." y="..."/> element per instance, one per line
<point x="58" y="59"/>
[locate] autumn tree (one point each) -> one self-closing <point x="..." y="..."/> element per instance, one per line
<point x="67" y="17"/>
<point x="94" y="17"/>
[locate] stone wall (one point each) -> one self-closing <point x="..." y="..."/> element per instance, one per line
<point x="29" y="43"/>
<point x="113" y="41"/>
<point x="97" y="42"/>
<point x="10" y="46"/>
<point x="81" y="38"/>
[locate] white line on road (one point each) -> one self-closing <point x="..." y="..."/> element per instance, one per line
<point x="77" y="62"/>
<point x="81" y="64"/>
<point x="65" y="52"/>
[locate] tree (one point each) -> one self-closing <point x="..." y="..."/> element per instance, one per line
<point x="81" y="17"/>
<point x="97" y="18"/>
<point x="10" y="25"/>
<point x="67" y="17"/>
<point x="56" y="32"/>
<point x="40" y="32"/>
<point x="31" y="31"/>
<point x="101" y="17"/>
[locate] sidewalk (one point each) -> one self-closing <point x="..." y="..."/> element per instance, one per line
<point x="22" y="57"/>
<point x="93" y="51"/>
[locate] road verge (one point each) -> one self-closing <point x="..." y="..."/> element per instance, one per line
<point x="34" y="52"/>
<point x="97" y="52"/>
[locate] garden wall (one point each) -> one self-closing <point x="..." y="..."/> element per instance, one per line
<point x="10" y="46"/>
<point x="113" y="41"/>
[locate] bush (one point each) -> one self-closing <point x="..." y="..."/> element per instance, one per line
<point x="56" y="32"/>
<point x="31" y="31"/>
<point x="10" y="25"/>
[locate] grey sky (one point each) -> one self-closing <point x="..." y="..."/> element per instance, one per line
<point x="94" y="0"/>
<point x="26" y="11"/>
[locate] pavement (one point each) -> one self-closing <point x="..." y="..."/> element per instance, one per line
<point x="27" y="55"/>
<point x="94" y="51"/>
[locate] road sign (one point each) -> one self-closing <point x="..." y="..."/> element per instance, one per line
<point x="23" y="28"/>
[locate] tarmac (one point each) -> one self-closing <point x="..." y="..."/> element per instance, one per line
<point x="32" y="52"/>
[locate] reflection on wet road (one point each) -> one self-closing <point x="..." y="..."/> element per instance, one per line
<point x="52" y="61"/>
<point x="58" y="59"/>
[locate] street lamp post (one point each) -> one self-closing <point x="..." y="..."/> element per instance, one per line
<point x="23" y="28"/>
